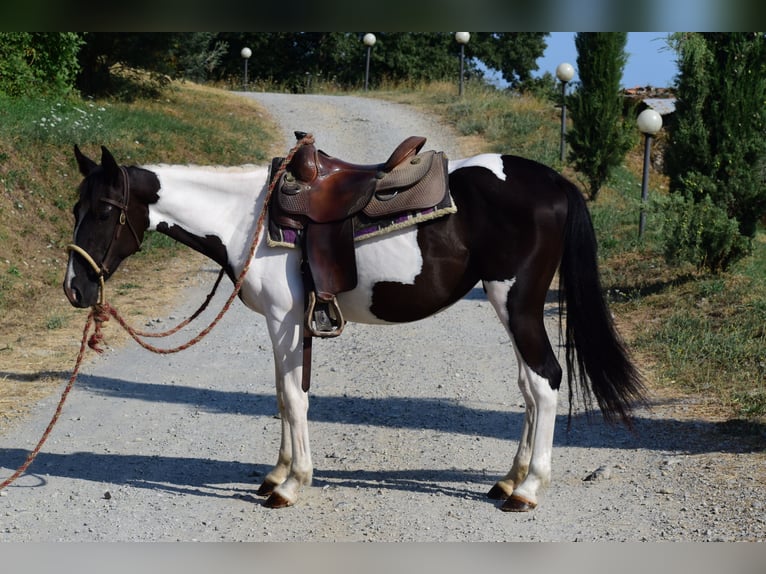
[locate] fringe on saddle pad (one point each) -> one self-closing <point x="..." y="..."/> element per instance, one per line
<point x="366" y="227"/>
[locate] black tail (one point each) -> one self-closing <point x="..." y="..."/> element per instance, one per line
<point x="594" y="349"/>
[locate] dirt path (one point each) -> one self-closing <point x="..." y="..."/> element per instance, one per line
<point x="410" y="427"/>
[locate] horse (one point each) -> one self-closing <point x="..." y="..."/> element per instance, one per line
<point x="517" y="222"/>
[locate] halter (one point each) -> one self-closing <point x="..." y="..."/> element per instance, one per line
<point x="102" y="270"/>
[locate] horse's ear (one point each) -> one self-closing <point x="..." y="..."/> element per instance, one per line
<point x="109" y="164"/>
<point x="85" y="164"/>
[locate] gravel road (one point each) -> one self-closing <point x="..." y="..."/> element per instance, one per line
<point x="407" y="437"/>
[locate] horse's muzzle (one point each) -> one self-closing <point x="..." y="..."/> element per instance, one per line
<point x="76" y="297"/>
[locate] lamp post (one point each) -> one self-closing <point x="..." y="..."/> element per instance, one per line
<point x="649" y="122"/>
<point x="369" y="41"/>
<point x="462" y="39"/>
<point x="246" y="53"/>
<point x="564" y="72"/>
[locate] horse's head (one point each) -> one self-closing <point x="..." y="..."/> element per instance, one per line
<point x="109" y="226"/>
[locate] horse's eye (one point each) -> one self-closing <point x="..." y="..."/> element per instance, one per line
<point x="103" y="213"/>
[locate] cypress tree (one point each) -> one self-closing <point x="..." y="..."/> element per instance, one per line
<point x="717" y="151"/>
<point x="599" y="138"/>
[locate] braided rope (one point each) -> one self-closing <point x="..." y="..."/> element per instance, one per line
<point x="102" y="310"/>
<point x="72" y="379"/>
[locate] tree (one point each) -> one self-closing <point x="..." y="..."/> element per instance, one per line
<point x="164" y="56"/>
<point x="718" y="146"/>
<point x="599" y="138"/>
<point x="38" y="63"/>
<point x="287" y="58"/>
<point x="199" y="54"/>
<point x="513" y="54"/>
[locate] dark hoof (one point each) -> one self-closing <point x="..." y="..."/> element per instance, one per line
<point x="497" y="493"/>
<point x="266" y="488"/>
<point x="517" y="504"/>
<point x="276" y="501"/>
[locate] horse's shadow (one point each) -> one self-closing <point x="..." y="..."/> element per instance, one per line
<point x="227" y="479"/>
<point x="214" y="477"/>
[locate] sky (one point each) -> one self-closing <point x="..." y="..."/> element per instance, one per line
<point x="650" y="61"/>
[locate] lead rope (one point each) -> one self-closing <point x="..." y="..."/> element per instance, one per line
<point x="101" y="311"/>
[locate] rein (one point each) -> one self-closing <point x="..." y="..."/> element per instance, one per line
<point x="101" y="311"/>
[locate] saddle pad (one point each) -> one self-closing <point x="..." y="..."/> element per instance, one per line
<point x="366" y="227"/>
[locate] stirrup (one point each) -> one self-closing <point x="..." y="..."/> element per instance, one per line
<point x="323" y="318"/>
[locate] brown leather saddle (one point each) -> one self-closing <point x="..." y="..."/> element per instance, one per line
<point x="319" y="196"/>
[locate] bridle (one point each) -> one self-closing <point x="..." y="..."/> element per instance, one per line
<point x="102" y="271"/>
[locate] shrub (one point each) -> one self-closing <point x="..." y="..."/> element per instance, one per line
<point x="701" y="233"/>
<point x="38" y="63"/>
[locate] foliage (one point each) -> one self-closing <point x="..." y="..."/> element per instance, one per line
<point x="200" y="55"/>
<point x="38" y="63"/>
<point x="294" y="60"/>
<point x="545" y="87"/>
<point x="599" y="138"/>
<point x="513" y="54"/>
<point x="699" y="233"/>
<point x="161" y="57"/>
<point x="717" y="151"/>
<point x="298" y="61"/>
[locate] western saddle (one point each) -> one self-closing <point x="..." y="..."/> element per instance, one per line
<point x="318" y="196"/>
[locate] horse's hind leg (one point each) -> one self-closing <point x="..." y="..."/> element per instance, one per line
<point x="504" y="487"/>
<point x="520" y="307"/>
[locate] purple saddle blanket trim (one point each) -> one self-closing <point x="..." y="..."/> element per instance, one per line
<point x="366" y="227"/>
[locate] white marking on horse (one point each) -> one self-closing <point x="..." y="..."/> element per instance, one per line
<point x="497" y="294"/>
<point x="491" y="161"/>
<point x="70" y="264"/>
<point x="532" y="463"/>
<point x="205" y="207"/>
<point x="394" y="257"/>
<point x="531" y="470"/>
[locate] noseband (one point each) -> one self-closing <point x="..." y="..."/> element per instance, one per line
<point x="102" y="270"/>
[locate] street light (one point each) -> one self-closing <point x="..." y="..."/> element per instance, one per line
<point x="564" y="72"/>
<point x="649" y="122"/>
<point x="462" y="39"/>
<point x="369" y="41"/>
<point x="246" y="53"/>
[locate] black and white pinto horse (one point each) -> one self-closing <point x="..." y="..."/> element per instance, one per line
<point x="517" y="223"/>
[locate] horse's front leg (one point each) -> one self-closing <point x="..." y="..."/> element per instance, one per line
<point x="279" y="473"/>
<point x="294" y="466"/>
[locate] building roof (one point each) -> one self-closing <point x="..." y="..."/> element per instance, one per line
<point x="662" y="106"/>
